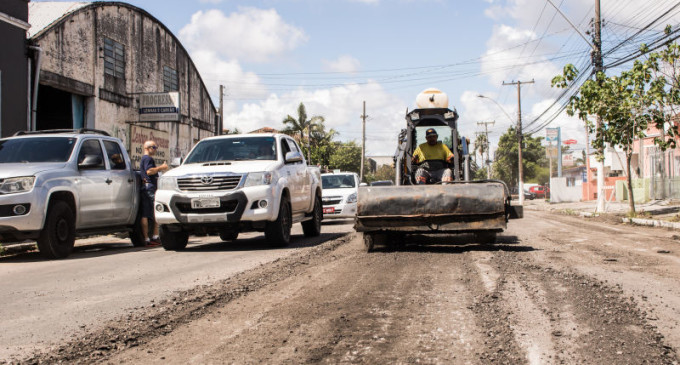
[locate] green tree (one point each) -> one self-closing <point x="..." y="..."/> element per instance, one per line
<point x="384" y="172"/>
<point x="627" y="104"/>
<point x="346" y="157"/>
<point x="301" y="125"/>
<point x="505" y="165"/>
<point x="321" y="144"/>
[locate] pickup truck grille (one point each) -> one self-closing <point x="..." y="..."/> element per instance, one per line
<point x="208" y="182"/>
<point x="331" y="200"/>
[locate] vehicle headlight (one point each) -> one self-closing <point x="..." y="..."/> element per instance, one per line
<point x="258" y="178"/>
<point x="352" y="198"/>
<point x="167" y="183"/>
<point x="17" y="185"/>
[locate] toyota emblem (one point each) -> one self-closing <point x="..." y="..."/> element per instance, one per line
<point x="207" y="180"/>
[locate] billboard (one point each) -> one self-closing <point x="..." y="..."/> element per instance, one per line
<point x="159" y="107"/>
<point x="551" y="134"/>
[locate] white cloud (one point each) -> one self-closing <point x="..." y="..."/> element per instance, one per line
<point x="340" y="106"/>
<point x="215" y="72"/>
<point x="249" y="35"/>
<point x="366" y="1"/>
<point x="344" y="63"/>
<point x="210" y="1"/>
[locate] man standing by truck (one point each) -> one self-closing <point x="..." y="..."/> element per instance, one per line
<point x="149" y="173"/>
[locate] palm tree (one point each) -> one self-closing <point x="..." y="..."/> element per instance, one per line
<point x="301" y="125"/>
<point x="481" y="145"/>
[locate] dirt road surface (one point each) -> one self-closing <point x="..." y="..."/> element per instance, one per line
<point x="554" y="289"/>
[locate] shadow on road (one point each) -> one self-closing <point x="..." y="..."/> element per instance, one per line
<point x="259" y="243"/>
<point x="455" y="244"/>
<point x="85" y="251"/>
<point x="89" y="250"/>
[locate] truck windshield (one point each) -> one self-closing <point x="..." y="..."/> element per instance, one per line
<point x="36" y="149"/>
<point x="337" y="181"/>
<point x="233" y="149"/>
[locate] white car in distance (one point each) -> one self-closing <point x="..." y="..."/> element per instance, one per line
<point x="339" y="194"/>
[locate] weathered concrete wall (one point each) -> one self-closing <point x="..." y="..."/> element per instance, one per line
<point x="560" y="192"/>
<point x="76" y="55"/>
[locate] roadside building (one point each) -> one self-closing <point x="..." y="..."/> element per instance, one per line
<point x="375" y="162"/>
<point x="114" y="67"/>
<point x="15" y="64"/>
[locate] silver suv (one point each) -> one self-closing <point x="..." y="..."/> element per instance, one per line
<point x="57" y="184"/>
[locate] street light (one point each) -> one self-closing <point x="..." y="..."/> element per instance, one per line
<point x="520" y="190"/>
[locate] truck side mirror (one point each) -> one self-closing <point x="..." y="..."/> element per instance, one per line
<point x="176" y="162"/>
<point x="293" y="156"/>
<point x="90" y="162"/>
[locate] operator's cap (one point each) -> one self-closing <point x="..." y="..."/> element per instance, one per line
<point x="430" y="132"/>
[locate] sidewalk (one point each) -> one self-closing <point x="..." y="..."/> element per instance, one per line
<point x="658" y="213"/>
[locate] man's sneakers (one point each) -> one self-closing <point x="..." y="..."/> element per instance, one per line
<point x="153" y="242"/>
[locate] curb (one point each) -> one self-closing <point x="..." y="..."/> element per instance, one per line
<point x="652" y="222"/>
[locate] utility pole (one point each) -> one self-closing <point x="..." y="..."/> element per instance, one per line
<point x="598" y="66"/>
<point x="520" y="136"/>
<point x="220" y="126"/>
<point x="486" y="141"/>
<point x="363" y="143"/>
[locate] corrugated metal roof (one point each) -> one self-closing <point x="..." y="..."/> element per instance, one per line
<point x="42" y="14"/>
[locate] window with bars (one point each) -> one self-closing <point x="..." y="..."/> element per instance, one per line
<point x="114" y="58"/>
<point x="170" y="82"/>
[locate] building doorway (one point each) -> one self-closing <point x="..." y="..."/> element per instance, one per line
<point x="58" y="109"/>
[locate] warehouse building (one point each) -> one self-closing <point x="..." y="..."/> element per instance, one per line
<point x="15" y="64"/>
<point x="114" y="67"/>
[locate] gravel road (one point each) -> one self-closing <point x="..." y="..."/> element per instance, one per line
<point x="554" y="289"/>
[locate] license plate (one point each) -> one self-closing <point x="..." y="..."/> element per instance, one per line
<point x="329" y="210"/>
<point x="203" y="203"/>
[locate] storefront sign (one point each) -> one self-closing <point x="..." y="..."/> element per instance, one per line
<point x="159" y="107"/>
<point x="139" y="135"/>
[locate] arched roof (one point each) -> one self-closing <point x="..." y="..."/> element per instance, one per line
<point x="43" y="16"/>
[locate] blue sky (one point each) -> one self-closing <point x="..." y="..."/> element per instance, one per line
<point x="334" y="54"/>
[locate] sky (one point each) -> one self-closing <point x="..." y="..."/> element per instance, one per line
<point x="334" y="55"/>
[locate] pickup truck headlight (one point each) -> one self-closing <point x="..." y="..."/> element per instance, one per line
<point x="258" y="178"/>
<point x="352" y="198"/>
<point x="167" y="183"/>
<point x="17" y="185"/>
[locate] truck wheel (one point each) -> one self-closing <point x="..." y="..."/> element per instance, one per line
<point x="312" y="227"/>
<point x="485" y="237"/>
<point x="173" y="241"/>
<point x="278" y="231"/>
<point x="228" y="235"/>
<point x="57" y="238"/>
<point x="136" y="235"/>
<point x="369" y="242"/>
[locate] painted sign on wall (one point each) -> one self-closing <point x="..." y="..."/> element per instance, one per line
<point x="139" y="135"/>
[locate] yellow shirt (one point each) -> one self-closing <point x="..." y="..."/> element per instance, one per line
<point x="439" y="151"/>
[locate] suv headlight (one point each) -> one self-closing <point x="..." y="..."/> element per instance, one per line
<point x="352" y="198"/>
<point x="258" y="178"/>
<point x="167" y="183"/>
<point x="17" y="185"/>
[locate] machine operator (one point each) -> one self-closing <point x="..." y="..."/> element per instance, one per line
<point x="432" y="157"/>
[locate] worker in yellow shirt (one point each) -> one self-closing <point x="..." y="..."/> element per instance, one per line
<point x="432" y="157"/>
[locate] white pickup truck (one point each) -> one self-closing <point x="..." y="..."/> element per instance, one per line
<point x="239" y="183"/>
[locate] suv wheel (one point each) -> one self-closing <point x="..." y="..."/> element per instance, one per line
<point x="57" y="238"/>
<point x="278" y="231"/>
<point x="229" y="235"/>
<point x="312" y="227"/>
<point x="173" y="241"/>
